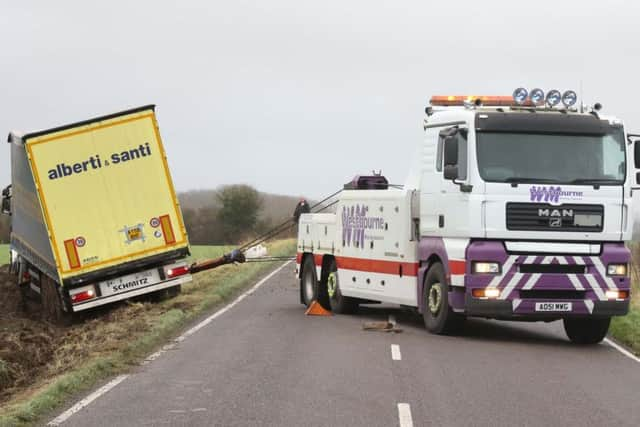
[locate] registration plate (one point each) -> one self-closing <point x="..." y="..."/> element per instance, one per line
<point x="130" y="282"/>
<point x="553" y="306"/>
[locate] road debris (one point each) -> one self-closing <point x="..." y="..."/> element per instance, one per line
<point x="381" y="326"/>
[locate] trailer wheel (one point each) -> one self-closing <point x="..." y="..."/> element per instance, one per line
<point x="438" y="316"/>
<point x="586" y="330"/>
<point x="339" y="303"/>
<point x="308" y="281"/>
<point x="52" y="304"/>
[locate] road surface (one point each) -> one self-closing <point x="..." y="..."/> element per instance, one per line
<point x="263" y="363"/>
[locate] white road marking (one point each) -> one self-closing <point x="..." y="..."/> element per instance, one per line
<point x="404" y="414"/>
<point x="111" y="384"/>
<point x="177" y="411"/>
<point x="87" y="400"/>
<point x="622" y="350"/>
<point x="220" y="312"/>
<point x="395" y="352"/>
<point x="198" y="409"/>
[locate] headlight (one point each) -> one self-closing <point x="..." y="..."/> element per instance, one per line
<point x="617" y="269"/>
<point x="520" y="95"/>
<point x="569" y="98"/>
<point x="485" y="268"/>
<point x="553" y="97"/>
<point x="537" y="96"/>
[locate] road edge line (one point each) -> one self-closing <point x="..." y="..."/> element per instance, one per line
<point x="229" y="306"/>
<point x="87" y="401"/>
<point x="113" y="383"/>
<point x="622" y="350"/>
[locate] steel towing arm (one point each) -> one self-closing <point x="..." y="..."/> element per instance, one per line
<point x="230" y="258"/>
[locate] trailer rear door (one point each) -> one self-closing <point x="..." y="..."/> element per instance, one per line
<point x="105" y="191"/>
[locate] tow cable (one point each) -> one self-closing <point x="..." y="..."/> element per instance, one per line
<point x="238" y="255"/>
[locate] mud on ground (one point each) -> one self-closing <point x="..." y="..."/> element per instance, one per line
<point x="33" y="351"/>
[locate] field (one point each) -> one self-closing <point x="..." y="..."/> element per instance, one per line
<point x="42" y="364"/>
<point x="4" y="254"/>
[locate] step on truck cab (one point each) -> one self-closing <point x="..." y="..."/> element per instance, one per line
<point x="514" y="208"/>
<point x="94" y="214"/>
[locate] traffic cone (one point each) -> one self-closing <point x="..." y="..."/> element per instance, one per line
<point x="315" y="309"/>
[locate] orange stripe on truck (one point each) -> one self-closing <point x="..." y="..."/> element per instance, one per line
<point x="167" y="229"/>
<point x="378" y="266"/>
<point x="457" y="267"/>
<point x="72" y="253"/>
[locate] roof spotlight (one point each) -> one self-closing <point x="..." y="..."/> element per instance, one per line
<point x="520" y="95"/>
<point x="569" y="98"/>
<point x="537" y="96"/>
<point x="553" y="97"/>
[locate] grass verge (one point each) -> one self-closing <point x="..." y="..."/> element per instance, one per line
<point x="110" y="341"/>
<point x="626" y="330"/>
<point x="4" y="254"/>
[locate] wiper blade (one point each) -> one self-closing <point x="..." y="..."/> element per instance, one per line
<point x="591" y="181"/>
<point x="517" y="179"/>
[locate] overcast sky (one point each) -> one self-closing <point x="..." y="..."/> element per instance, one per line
<point x="296" y="97"/>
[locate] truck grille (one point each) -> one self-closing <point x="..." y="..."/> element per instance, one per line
<point x="546" y="217"/>
<point x="553" y="268"/>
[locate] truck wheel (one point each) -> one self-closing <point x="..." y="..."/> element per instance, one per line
<point x="338" y="302"/>
<point x="586" y="331"/>
<point x="52" y="304"/>
<point x="438" y="316"/>
<point x="308" y="281"/>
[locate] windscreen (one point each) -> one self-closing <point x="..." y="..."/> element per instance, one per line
<point x="552" y="158"/>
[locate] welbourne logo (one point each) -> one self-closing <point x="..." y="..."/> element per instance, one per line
<point x="552" y="194"/>
<point x="355" y="222"/>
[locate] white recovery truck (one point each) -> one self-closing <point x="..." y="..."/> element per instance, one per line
<point x="511" y="210"/>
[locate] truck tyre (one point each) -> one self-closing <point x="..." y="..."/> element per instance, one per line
<point x="310" y="287"/>
<point x="586" y="330"/>
<point x="438" y="316"/>
<point x="338" y="302"/>
<point x="52" y="304"/>
<point x="308" y="281"/>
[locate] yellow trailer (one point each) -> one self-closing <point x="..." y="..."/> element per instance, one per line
<point x="95" y="218"/>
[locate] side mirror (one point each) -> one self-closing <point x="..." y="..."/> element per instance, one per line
<point x="451" y="151"/>
<point x="636" y="154"/>
<point x="451" y="172"/>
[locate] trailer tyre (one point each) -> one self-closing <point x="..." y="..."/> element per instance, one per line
<point x="339" y="303"/>
<point x="52" y="304"/>
<point x="437" y="314"/>
<point x="586" y="331"/>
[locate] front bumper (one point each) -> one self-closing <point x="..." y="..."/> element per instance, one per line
<point x="525" y="309"/>
<point x="577" y="282"/>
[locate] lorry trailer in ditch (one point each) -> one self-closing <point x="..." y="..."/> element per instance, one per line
<point x="515" y="208"/>
<point x="94" y="214"/>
